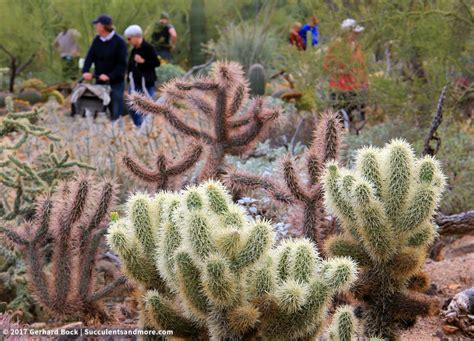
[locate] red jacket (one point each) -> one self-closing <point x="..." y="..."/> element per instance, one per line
<point x="295" y="39"/>
<point x="346" y="65"/>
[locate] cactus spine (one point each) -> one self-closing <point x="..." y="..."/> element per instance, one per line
<point x="299" y="184"/>
<point x="257" y="79"/>
<point x="386" y="206"/>
<point x="219" y="100"/>
<point x="205" y="269"/>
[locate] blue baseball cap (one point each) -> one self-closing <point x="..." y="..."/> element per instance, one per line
<point x="103" y="19"/>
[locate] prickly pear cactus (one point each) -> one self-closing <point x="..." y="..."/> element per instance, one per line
<point x="205" y="269"/>
<point x="386" y="207"/>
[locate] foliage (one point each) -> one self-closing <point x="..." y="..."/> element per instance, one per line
<point x="206" y="270"/>
<point x="22" y="179"/>
<point x="386" y="206"/>
<point x="302" y="194"/>
<point x="168" y="72"/>
<point x="73" y="219"/>
<point x="246" y="43"/>
<point x="218" y="100"/>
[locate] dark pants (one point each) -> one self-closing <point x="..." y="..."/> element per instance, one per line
<point x="136" y="116"/>
<point x="116" y="100"/>
<point x="165" y="54"/>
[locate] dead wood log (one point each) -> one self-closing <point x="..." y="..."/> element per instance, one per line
<point x="456" y="224"/>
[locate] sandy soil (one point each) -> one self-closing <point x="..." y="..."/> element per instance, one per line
<point x="450" y="276"/>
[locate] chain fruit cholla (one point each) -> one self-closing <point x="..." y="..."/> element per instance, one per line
<point x="205" y="269"/>
<point x="386" y="207"/>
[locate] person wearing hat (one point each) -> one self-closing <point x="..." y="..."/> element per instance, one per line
<point x="141" y="67"/>
<point x="108" y="53"/>
<point x="345" y="63"/>
<point x="164" y="37"/>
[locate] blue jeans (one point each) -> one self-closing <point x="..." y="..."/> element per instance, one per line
<point x="136" y="116"/>
<point x="116" y="100"/>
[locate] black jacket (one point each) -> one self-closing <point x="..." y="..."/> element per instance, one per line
<point x="146" y="69"/>
<point x="109" y="57"/>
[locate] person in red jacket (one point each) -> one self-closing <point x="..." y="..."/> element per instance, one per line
<point x="346" y="65"/>
<point x="295" y="38"/>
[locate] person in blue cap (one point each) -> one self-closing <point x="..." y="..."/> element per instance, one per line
<point x="108" y="53"/>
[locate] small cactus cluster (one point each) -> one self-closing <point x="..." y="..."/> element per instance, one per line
<point x="23" y="180"/>
<point x="221" y="101"/>
<point x="385" y="207"/>
<point x="72" y="222"/>
<point x="204" y="269"/>
<point x="299" y="184"/>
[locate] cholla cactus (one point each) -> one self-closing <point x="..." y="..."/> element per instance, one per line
<point x="22" y="180"/>
<point x="386" y="207"/>
<point x="205" y="269"/>
<point x="219" y="101"/>
<point x="73" y="218"/>
<point x="163" y="177"/>
<point x="293" y="188"/>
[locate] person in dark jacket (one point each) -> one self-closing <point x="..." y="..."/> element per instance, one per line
<point x="164" y="37"/>
<point x="141" y="67"/>
<point x="108" y="53"/>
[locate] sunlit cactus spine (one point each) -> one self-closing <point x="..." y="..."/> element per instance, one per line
<point x="298" y="186"/>
<point x="205" y="269"/>
<point x="386" y="206"/>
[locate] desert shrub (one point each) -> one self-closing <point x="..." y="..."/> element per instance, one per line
<point x="206" y="270"/>
<point x="167" y="72"/>
<point x="246" y="43"/>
